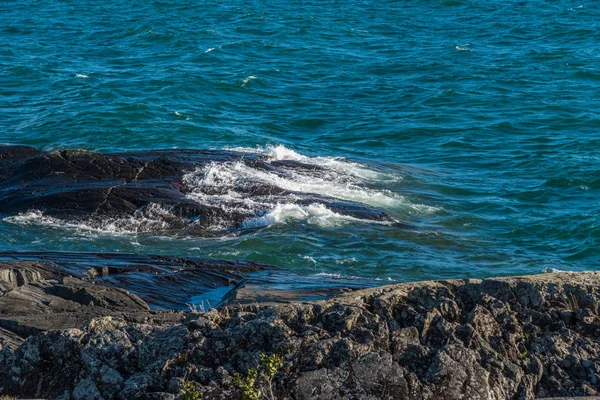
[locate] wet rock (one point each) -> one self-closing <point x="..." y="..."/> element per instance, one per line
<point x="159" y="190"/>
<point x="65" y="281"/>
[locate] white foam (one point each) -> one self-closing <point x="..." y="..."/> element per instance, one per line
<point x="464" y="47"/>
<point x="340" y="276"/>
<point x="226" y="184"/>
<point x="310" y="259"/>
<point x="315" y="214"/>
<point x="210" y="49"/>
<point x="331" y="183"/>
<point x="241" y="149"/>
<point x="82" y="76"/>
<point x="248" y="79"/>
<point x="340" y="164"/>
<point x="551" y="270"/>
<point x="281" y="152"/>
<point x="153" y="218"/>
<point x="351" y="260"/>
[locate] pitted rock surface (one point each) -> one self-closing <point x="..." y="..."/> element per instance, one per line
<point x="505" y="338"/>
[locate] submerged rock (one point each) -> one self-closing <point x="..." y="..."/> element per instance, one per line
<point x="198" y="192"/>
<point x="505" y="338"/>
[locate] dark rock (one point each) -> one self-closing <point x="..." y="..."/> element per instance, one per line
<point x="432" y="340"/>
<point x="159" y="190"/>
<point x="64" y="281"/>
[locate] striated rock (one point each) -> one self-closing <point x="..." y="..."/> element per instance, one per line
<point x="493" y="339"/>
<point x="49" y="291"/>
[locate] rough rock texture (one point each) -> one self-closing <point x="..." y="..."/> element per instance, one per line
<point x="508" y="338"/>
<point x="179" y="191"/>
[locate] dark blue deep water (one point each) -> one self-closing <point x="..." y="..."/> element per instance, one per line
<point x="477" y="123"/>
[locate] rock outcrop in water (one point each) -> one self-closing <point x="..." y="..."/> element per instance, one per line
<point x="506" y="338"/>
<point x="198" y="192"/>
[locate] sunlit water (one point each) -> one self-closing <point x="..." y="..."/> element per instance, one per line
<point x="474" y="123"/>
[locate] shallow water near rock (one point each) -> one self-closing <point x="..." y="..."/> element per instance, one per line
<point x="474" y="125"/>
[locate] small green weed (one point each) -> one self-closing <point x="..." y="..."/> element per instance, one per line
<point x="248" y="385"/>
<point x="524" y="354"/>
<point x="259" y="381"/>
<point x="190" y="391"/>
<point x="270" y="365"/>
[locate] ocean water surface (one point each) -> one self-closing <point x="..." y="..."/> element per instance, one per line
<point x="474" y="123"/>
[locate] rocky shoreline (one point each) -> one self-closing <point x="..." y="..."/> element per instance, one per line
<point x="123" y="326"/>
<point x="504" y="338"/>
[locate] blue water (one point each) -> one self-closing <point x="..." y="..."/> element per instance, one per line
<point x="481" y="119"/>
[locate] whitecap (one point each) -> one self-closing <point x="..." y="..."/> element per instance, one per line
<point x="248" y="79"/>
<point x="310" y="259"/>
<point x="351" y="260"/>
<point x="314" y="214"/>
<point x="340" y="276"/>
<point x="82" y="76"/>
<point x="464" y="47"/>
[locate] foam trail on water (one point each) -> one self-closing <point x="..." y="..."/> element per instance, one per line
<point x="272" y="185"/>
<point x="339" y="164"/>
<point x="314" y="214"/>
<point x="153" y="218"/>
<point x="293" y="190"/>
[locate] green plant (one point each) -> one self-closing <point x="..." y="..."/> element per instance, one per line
<point x="248" y="385"/>
<point x="269" y="365"/>
<point x="190" y="391"/>
<point x="524" y="354"/>
<point x="259" y="381"/>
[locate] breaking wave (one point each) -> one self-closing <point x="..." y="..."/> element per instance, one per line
<point x="293" y="189"/>
<point x="256" y="188"/>
<point x="314" y="214"/>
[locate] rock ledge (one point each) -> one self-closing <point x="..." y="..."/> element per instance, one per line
<point x="505" y="338"/>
